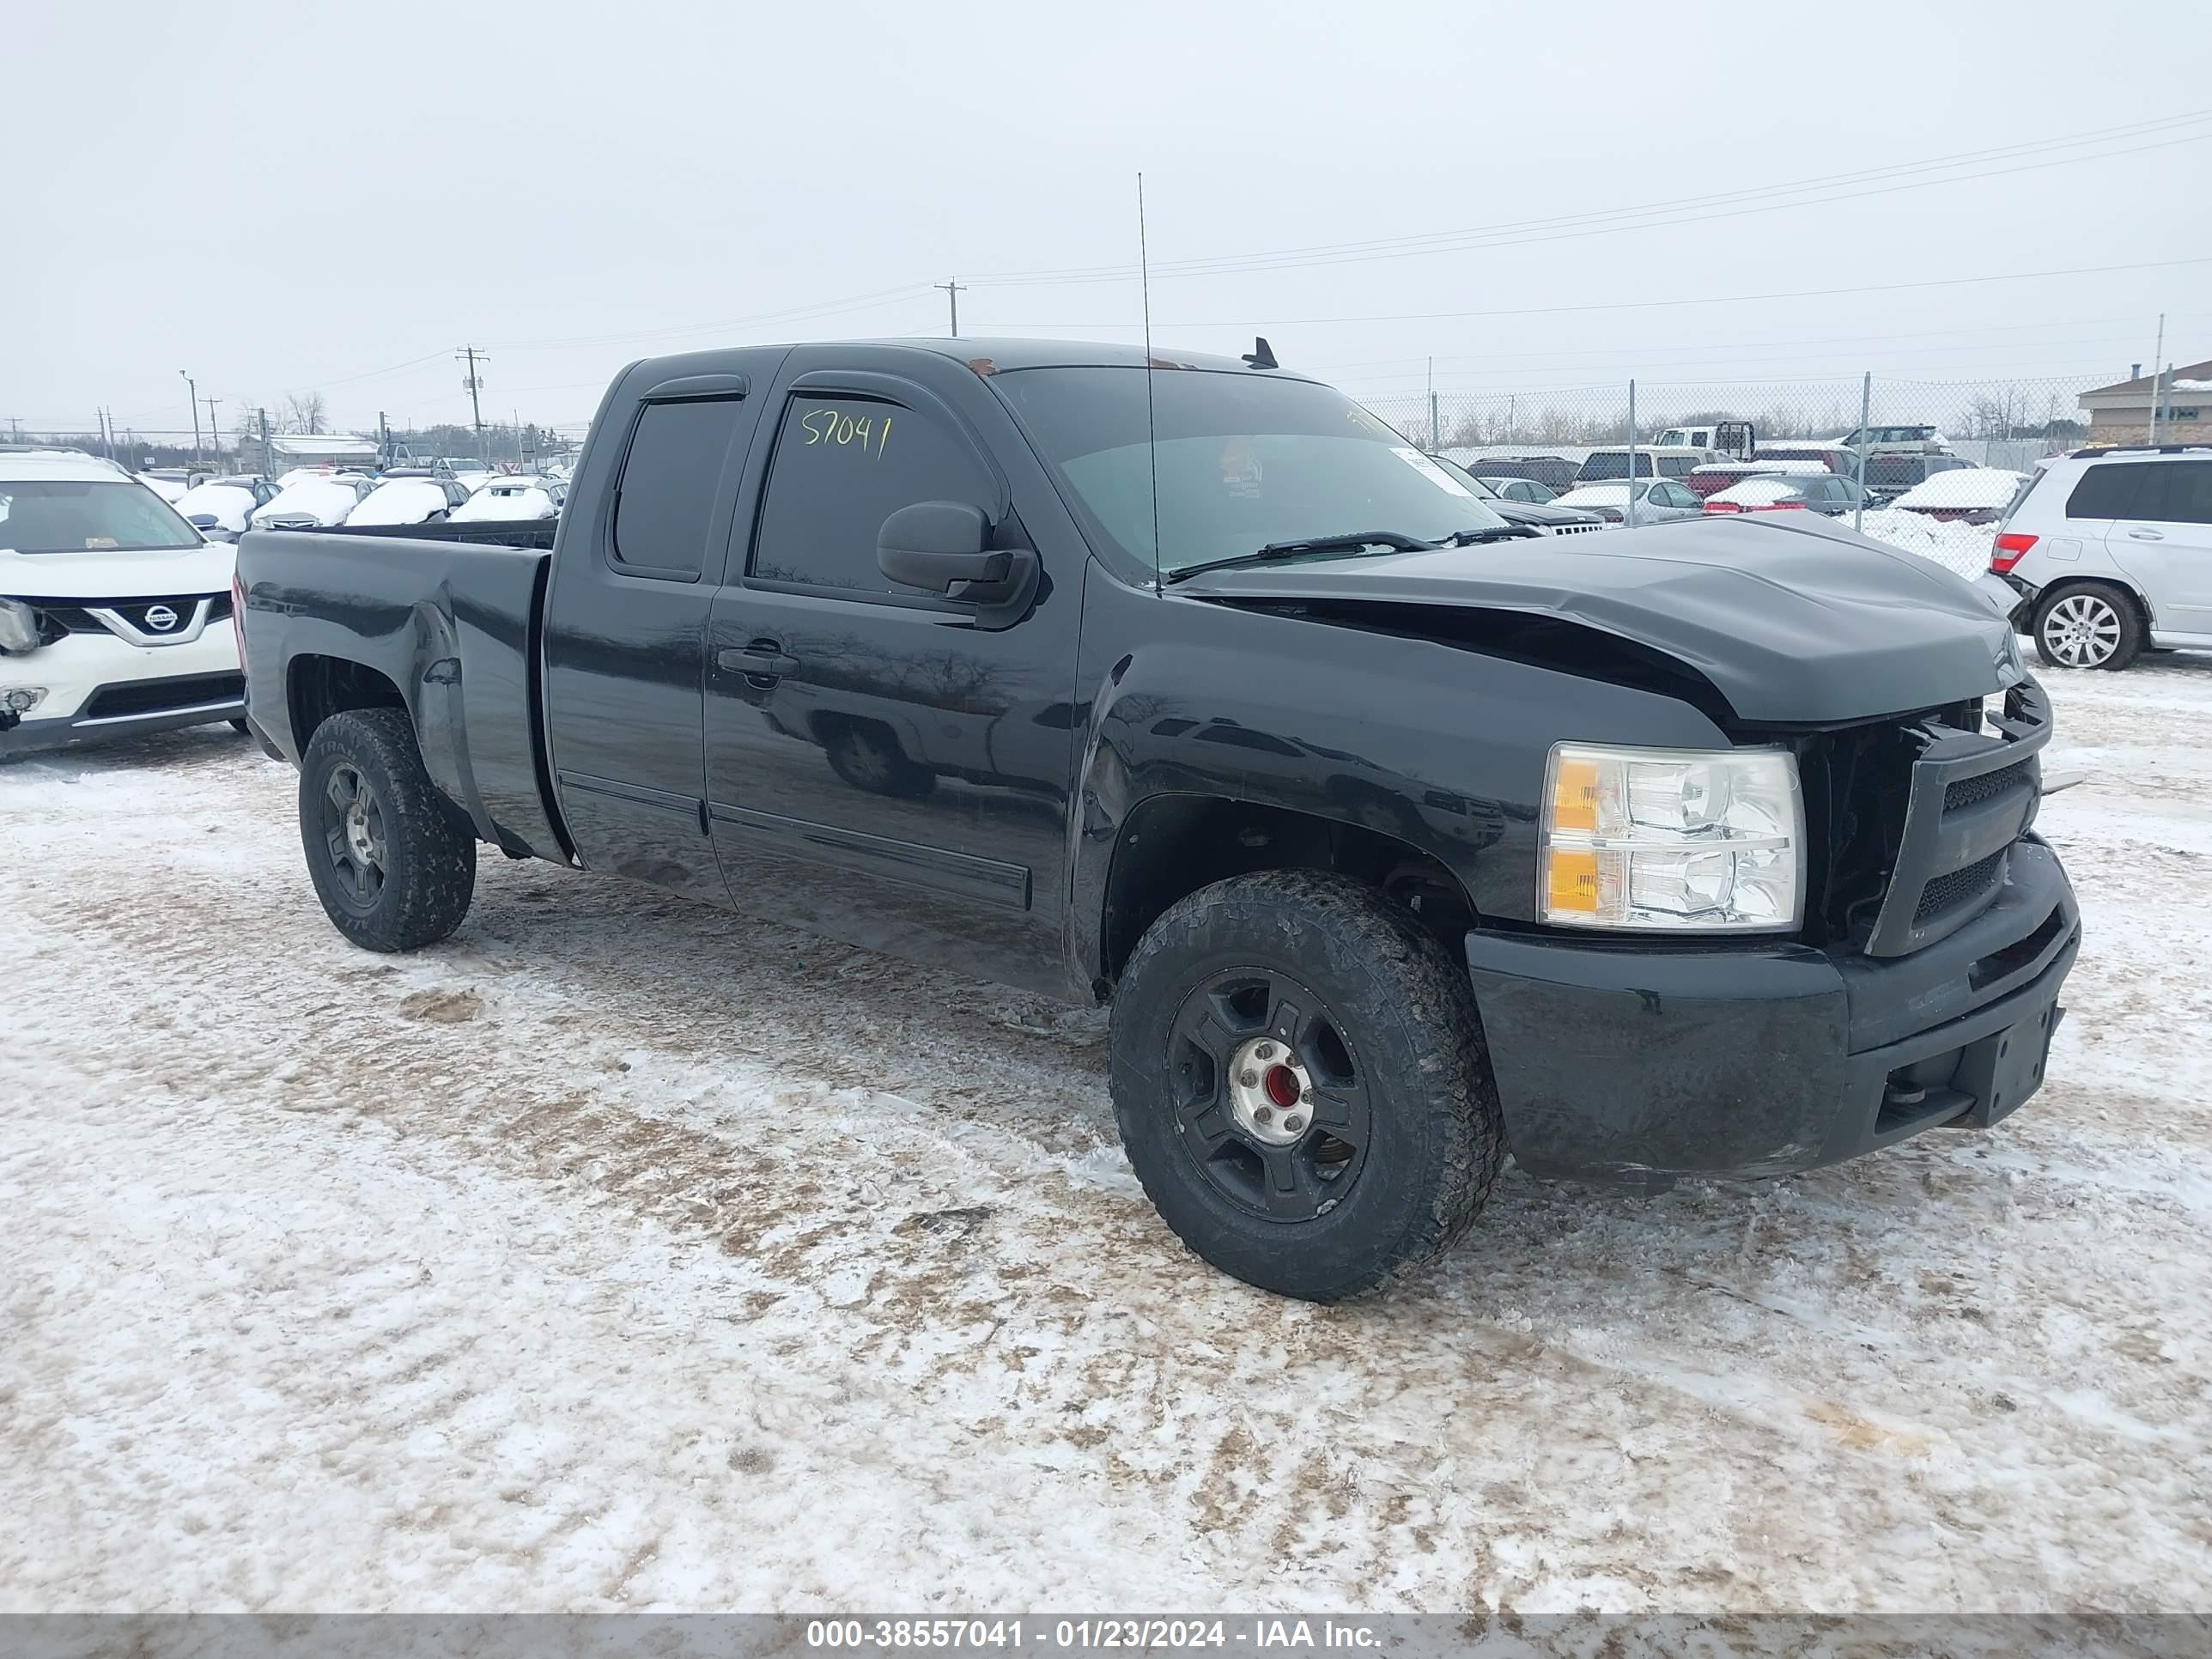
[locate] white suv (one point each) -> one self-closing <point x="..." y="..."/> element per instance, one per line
<point x="115" y="613"/>
<point x="2107" y="553"/>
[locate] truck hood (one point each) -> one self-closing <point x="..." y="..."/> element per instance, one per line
<point x="159" y="573"/>
<point x="1796" y="623"/>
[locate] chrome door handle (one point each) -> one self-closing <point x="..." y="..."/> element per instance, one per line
<point x="2148" y="535"/>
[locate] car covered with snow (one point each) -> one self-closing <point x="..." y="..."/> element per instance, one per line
<point x="397" y="501"/>
<point x="1815" y="492"/>
<point x="311" y="500"/>
<point x="221" y="508"/>
<point x="1714" y="477"/>
<point x="511" y="498"/>
<point x="115" y="613"/>
<point x="1392" y="834"/>
<point x="1978" y="494"/>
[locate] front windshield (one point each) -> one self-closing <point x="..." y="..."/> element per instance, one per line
<point x="1243" y="461"/>
<point x="56" y="516"/>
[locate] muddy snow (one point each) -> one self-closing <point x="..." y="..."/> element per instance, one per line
<point x="622" y="1253"/>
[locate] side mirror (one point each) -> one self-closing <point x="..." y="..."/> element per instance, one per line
<point x="944" y="547"/>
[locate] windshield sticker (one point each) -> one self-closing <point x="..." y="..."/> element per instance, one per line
<point x="1429" y="470"/>
<point x="1241" y="473"/>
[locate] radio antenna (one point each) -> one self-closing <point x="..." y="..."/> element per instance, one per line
<point x="1151" y="424"/>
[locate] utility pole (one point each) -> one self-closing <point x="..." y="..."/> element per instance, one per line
<point x="15" y="428"/>
<point x="215" y="432"/>
<point x="473" y="355"/>
<point x="383" y="440"/>
<point x="2156" y="358"/>
<point x="1435" y="442"/>
<point x="268" y="452"/>
<point x="952" y="294"/>
<point x="192" y="387"/>
<point x="106" y="434"/>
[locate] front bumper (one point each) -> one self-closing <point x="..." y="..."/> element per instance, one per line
<point x="95" y="686"/>
<point x="1641" y="1064"/>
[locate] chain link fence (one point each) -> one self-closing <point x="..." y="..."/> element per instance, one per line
<point x="1994" y="422"/>
<point x="2001" y="427"/>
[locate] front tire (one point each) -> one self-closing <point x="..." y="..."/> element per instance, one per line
<point x="392" y="858"/>
<point x="1300" y="1082"/>
<point x="2089" y="625"/>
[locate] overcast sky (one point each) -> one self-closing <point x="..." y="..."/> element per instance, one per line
<point x="279" y="196"/>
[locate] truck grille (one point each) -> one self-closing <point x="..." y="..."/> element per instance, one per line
<point x="1987" y="786"/>
<point x="1570" y="529"/>
<point x="1947" y="892"/>
<point x="1922" y="814"/>
<point x="59" y="618"/>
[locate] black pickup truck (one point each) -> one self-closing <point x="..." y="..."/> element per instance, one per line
<point x="1395" y="836"/>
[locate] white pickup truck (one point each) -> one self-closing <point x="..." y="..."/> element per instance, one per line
<point x="115" y="613"/>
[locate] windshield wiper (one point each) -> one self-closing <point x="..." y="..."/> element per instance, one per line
<point x="1496" y="532"/>
<point x="1350" y="541"/>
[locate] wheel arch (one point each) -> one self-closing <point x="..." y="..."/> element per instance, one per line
<point x="1170" y="845"/>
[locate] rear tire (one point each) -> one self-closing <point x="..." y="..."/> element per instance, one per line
<point x="392" y="859"/>
<point x="1301" y="1085"/>
<point x="2089" y="625"/>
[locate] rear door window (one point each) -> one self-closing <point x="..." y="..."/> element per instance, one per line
<point x="842" y="465"/>
<point x="2112" y="491"/>
<point x="2187" y="497"/>
<point x="665" y="504"/>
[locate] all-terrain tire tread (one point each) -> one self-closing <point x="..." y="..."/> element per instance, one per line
<point x="1420" y="978"/>
<point x="434" y="872"/>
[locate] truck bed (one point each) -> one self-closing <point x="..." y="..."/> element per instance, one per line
<point x="450" y="621"/>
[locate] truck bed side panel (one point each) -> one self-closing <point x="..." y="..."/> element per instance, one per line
<point x="446" y="622"/>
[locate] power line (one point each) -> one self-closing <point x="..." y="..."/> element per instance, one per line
<point x="1565" y="227"/>
<point x="1640" y="305"/>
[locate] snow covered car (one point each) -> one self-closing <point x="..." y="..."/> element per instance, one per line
<point x="409" y="501"/>
<point x="115" y="613"/>
<point x="1979" y="494"/>
<point x="170" y="490"/>
<point x="221" y="508"/>
<point x="472" y="475"/>
<point x="511" y="499"/>
<point x="314" y="502"/>
<point x="1816" y="492"/>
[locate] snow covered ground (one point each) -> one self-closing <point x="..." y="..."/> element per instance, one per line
<point x="622" y="1253"/>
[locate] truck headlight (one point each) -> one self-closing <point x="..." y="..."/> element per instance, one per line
<point x="19" y="627"/>
<point x="1682" y="840"/>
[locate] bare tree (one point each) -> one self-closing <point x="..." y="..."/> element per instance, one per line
<point x="304" y="412"/>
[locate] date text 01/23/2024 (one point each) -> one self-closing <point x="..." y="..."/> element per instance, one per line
<point x="1081" y="1635"/>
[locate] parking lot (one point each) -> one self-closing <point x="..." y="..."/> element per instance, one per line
<point x="621" y="1254"/>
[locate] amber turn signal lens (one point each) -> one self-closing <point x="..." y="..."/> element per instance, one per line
<point x="1572" y="875"/>
<point x="1573" y="795"/>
